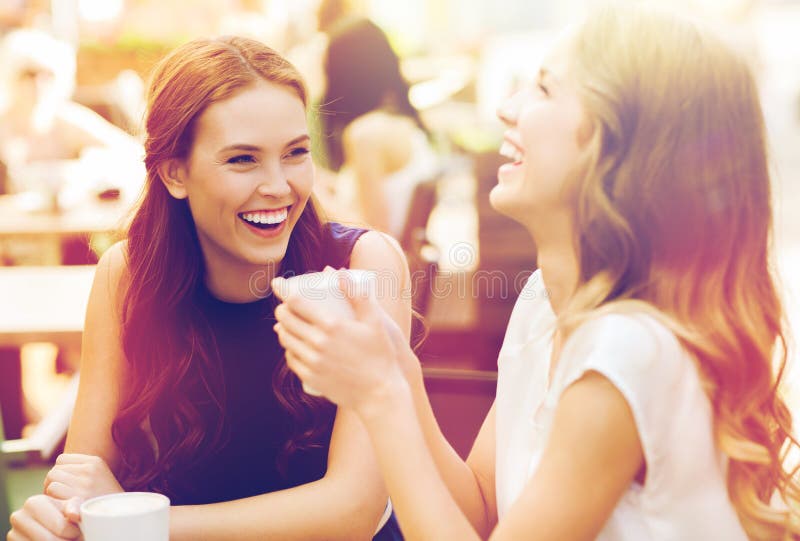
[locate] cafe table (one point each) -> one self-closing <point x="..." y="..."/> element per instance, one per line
<point x="43" y="304"/>
<point x="40" y="304"/>
<point x="24" y="218"/>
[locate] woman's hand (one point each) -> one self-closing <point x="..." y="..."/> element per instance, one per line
<point x="81" y="476"/>
<point x="43" y="518"/>
<point x="354" y="363"/>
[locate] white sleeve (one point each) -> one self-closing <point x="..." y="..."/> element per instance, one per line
<point x="643" y="360"/>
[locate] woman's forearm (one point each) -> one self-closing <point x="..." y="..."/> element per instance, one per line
<point x="423" y="502"/>
<point x="456" y="474"/>
<point x="324" y="509"/>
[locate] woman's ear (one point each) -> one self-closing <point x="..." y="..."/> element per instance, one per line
<point x="173" y="175"/>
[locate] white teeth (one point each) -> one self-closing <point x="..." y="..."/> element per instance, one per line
<point x="266" y="217"/>
<point x="510" y="151"/>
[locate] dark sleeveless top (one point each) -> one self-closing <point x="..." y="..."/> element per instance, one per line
<point x="255" y="425"/>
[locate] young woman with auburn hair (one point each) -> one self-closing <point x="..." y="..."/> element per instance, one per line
<point x="184" y="387"/>
<point x="638" y="389"/>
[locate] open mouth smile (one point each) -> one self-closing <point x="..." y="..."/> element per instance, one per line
<point x="510" y="150"/>
<point x="265" y="222"/>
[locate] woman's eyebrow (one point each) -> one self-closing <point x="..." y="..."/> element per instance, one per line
<point x="300" y="139"/>
<point x="241" y="146"/>
<point x="254" y="148"/>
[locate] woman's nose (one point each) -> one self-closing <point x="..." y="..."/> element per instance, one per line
<point x="274" y="183"/>
<point x="275" y="188"/>
<point x="509" y="109"/>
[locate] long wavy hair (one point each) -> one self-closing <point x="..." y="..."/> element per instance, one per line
<point x="166" y="339"/>
<point x="673" y="215"/>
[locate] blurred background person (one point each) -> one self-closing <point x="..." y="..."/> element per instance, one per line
<point x="12" y="13"/>
<point x="39" y="123"/>
<point x="307" y="50"/>
<point x="371" y="133"/>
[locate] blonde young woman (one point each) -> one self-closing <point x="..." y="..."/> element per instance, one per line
<point x="636" y="397"/>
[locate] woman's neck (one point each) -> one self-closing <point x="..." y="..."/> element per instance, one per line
<point x="239" y="283"/>
<point x="559" y="268"/>
<point x="557" y="258"/>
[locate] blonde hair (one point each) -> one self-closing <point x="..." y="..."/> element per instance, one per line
<point x="673" y="216"/>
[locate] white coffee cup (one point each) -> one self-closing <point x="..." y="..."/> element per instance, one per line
<point x="127" y="516"/>
<point x="323" y="289"/>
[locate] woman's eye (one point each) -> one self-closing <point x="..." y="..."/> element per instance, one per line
<point x="542" y="89"/>
<point x="298" y="152"/>
<point x="242" y="159"/>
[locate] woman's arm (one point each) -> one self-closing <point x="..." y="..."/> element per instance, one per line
<point x="471" y="483"/>
<point x="354" y="365"/>
<point x="102" y="363"/>
<point x="345" y="504"/>
<point x="83" y="128"/>
<point x="593" y="455"/>
<point x="375" y="145"/>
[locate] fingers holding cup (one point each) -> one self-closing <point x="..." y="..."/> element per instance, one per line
<point x="298" y="354"/>
<point x="302" y="372"/>
<point x="292" y="323"/>
<point x="41" y="517"/>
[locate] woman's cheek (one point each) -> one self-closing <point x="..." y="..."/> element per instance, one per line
<point x="301" y="178"/>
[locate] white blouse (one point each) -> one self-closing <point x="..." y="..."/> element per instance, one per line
<point x="684" y="496"/>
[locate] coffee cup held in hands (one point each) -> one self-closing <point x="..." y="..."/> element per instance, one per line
<point x="323" y="288"/>
<point x="126" y="516"/>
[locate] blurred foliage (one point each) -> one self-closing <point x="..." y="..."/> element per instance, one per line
<point x="134" y="41"/>
<point x="101" y="61"/>
<point x="477" y="139"/>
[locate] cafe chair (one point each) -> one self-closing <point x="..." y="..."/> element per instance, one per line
<point x="24" y="462"/>
<point x="422" y="255"/>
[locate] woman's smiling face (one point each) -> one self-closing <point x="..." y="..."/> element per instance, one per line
<point x="248" y="176"/>
<point x="546" y="123"/>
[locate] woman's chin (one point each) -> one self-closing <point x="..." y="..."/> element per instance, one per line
<point x="272" y="256"/>
<point x="501" y="200"/>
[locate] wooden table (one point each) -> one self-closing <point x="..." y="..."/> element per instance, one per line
<point x="43" y="304"/>
<point x="19" y="222"/>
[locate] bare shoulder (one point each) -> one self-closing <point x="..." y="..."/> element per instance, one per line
<point x="103" y="371"/>
<point x="381" y="253"/>
<point x="77" y="114"/>
<point x="88" y="128"/>
<point x="114" y="262"/>
<point x="111" y="276"/>
<point x="378" y="251"/>
<point x="377" y="127"/>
